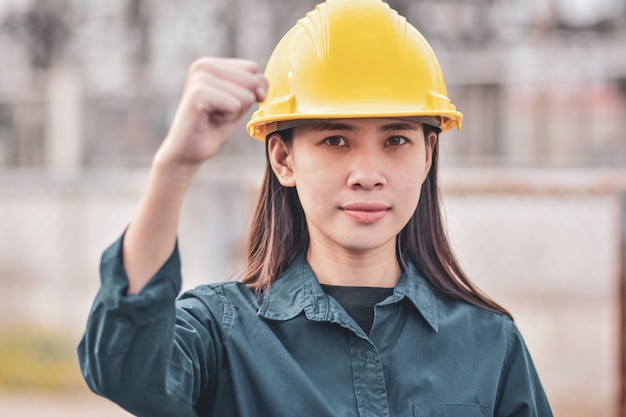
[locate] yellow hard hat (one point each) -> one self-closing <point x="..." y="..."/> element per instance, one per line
<point x="352" y="59"/>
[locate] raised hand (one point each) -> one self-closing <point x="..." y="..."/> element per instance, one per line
<point x="217" y="95"/>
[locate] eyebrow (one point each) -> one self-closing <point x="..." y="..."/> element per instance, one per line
<point x="331" y="126"/>
<point x="398" y="126"/>
<point x="322" y="126"/>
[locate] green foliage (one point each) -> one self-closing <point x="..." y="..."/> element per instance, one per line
<point x="38" y="359"/>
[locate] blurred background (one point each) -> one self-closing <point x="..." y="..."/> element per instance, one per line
<point x="534" y="186"/>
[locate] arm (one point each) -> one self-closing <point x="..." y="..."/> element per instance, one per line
<point x="138" y="349"/>
<point x="142" y="352"/>
<point x="217" y="95"/>
<point x="520" y="393"/>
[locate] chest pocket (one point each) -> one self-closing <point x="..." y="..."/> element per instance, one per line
<point x="450" y="410"/>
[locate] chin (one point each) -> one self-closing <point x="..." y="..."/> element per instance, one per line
<point x="364" y="245"/>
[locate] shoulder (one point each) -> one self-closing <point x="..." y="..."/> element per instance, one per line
<point x="227" y="292"/>
<point x="468" y="319"/>
<point x="448" y="313"/>
<point x="217" y="300"/>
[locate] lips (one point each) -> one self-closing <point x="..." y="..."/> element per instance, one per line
<point x="366" y="212"/>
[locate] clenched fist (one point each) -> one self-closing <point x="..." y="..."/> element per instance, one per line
<point x="217" y="95"/>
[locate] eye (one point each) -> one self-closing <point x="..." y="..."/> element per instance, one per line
<point x="395" y="141"/>
<point x="335" y="141"/>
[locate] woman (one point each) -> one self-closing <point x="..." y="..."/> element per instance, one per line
<point x="352" y="303"/>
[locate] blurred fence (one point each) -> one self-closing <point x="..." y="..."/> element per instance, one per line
<point x="548" y="245"/>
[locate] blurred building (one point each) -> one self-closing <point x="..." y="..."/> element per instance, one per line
<point x="94" y="84"/>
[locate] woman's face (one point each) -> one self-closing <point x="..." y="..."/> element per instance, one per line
<point x="358" y="180"/>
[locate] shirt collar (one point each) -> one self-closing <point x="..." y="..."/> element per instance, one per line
<point x="414" y="287"/>
<point x="297" y="290"/>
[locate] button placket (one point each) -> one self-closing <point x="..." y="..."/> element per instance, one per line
<point x="369" y="379"/>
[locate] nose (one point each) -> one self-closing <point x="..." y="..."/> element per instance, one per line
<point x="366" y="172"/>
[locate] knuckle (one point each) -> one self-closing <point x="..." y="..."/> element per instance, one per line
<point x="237" y="106"/>
<point x="201" y="64"/>
<point x="196" y="90"/>
<point x="253" y="66"/>
<point x="196" y="95"/>
<point x="198" y="78"/>
<point x="195" y="66"/>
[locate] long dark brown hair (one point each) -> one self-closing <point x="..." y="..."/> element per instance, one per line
<point x="278" y="234"/>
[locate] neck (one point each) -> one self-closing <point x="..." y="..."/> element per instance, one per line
<point x="373" y="268"/>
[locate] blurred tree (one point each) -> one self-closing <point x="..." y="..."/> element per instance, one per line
<point x="43" y="29"/>
<point x="138" y="24"/>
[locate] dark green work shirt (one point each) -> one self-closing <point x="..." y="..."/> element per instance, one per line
<point x="220" y="351"/>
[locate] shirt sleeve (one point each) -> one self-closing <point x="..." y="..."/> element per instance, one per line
<point x="520" y="393"/>
<point x="142" y="352"/>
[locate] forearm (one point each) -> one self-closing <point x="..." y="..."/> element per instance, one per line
<point x="151" y="235"/>
<point x="217" y="95"/>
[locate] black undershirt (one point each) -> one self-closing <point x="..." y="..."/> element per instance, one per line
<point x="358" y="302"/>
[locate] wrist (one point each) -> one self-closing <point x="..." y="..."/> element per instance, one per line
<point x="173" y="171"/>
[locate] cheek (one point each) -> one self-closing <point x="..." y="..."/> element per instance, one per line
<point x="315" y="177"/>
<point x="314" y="191"/>
<point x="409" y="187"/>
<point x="412" y="197"/>
<point x="316" y="205"/>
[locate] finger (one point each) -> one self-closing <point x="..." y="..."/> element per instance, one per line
<point x="220" y="105"/>
<point x="207" y="63"/>
<point x="254" y="82"/>
<point x="233" y="70"/>
<point x="243" y="93"/>
<point x="261" y="89"/>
